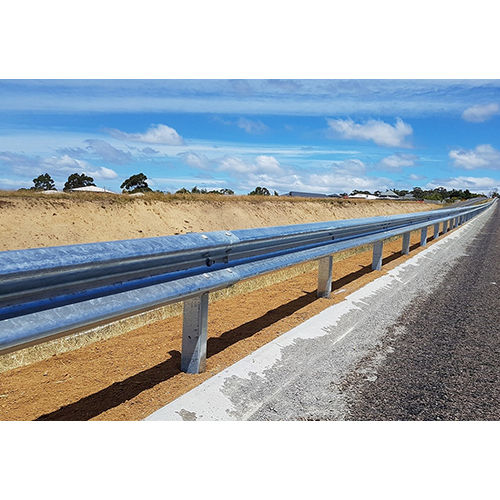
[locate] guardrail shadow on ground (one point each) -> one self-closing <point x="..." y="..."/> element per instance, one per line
<point x="119" y="392"/>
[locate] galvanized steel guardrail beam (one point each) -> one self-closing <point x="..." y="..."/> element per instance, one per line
<point x="48" y="292"/>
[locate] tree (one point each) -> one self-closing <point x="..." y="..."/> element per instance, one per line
<point x="276" y="193"/>
<point x="78" y="180"/>
<point x="418" y="193"/>
<point x="182" y="191"/>
<point x="136" y="184"/>
<point x="43" y="182"/>
<point x="260" y="191"/>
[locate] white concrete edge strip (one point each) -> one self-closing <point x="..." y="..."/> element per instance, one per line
<point x="207" y="401"/>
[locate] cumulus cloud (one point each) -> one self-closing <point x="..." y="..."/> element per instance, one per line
<point x="156" y="134"/>
<point x="481" y="112"/>
<point x="474" y="184"/>
<point x="66" y="164"/>
<point x="415" y="177"/>
<point x="263" y="164"/>
<point x="54" y="165"/>
<point x="341" y="176"/>
<point x="252" y="126"/>
<point x="107" y="152"/>
<point x="349" y="167"/>
<point x="378" y="131"/>
<point x="482" y="156"/>
<point x="195" y="160"/>
<point x="398" y="161"/>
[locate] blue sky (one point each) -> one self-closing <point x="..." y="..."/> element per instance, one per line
<point x="324" y="136"/>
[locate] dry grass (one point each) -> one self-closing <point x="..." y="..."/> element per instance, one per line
<point x="168" y="198"/>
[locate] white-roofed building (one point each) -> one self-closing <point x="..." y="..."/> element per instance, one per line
<point x="91" y="189"/>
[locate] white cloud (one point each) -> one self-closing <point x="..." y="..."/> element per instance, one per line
<point x="197" y="160"/>
<point x="66" y="164"/>
<point x="482" y="156"/>
<point x="348" y="167"/>
<point x="473" y="184"/>
<point x="149" y="151"/>
<point x="252" y="126"/>
<point x="378" y="131"/>
<point x="156" y="134"/>
<point x="107" y="152"/>
<point x="263" y="164"/>
<point x="268" y="164"/>
<point x="188" y="182"/>
<point x="415" y="177"/>
<point x="14" y="183"/>
<point x="56" y="166"/>
<point x="103" y="173"/>
<point x="397" y="161"/>
<point x="481" y="112"/>
<point x="343" y="176"/>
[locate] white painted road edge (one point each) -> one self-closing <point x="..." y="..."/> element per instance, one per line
<point x="208" y="402"/>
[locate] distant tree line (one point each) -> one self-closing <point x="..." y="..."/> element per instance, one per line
<point x="438" y="194"/>
<point x="137" y="183"/>
<point x="197" y="190"/>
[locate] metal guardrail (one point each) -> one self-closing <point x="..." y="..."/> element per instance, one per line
<point x="49" y="292"/>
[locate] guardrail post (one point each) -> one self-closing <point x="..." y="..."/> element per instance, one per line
<point x="445" y="227"/>
<point x="436" y="231"/>
<point x="325" y="267"/>
<point x="406" y="244"/>
<point x="423" y="237"/>
<point x="194" y="334"/>
<point x="378" y="247"/>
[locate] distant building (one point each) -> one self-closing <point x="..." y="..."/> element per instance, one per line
<point x="389" y="195"/>
<point x="91" y="189"/>
<point x="305" y="195"/>
<point x="409" y="197"/>
<point x="52" y="191"/>
<point x="364" y="196"/>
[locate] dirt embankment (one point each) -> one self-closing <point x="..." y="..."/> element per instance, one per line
<point x="38" y="221"/>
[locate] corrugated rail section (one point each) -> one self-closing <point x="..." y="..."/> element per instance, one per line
<point x="49" y="292"/>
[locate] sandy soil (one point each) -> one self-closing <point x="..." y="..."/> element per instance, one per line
<point x="37" y="221"/>
<point x="130" y="376"/>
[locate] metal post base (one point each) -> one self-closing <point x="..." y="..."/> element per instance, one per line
<point x="406" y="244"/>
<point x="378" y="247"/>
<point x="194" y="334"/>
<point x="423" y="237"/>
<point x="325" y="266"/>
<point x="436" y="231"/>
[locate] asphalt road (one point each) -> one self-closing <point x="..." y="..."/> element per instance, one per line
<point x="445" y="363"/>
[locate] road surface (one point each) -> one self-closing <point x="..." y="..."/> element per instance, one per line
<point x="446" y="365"/>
